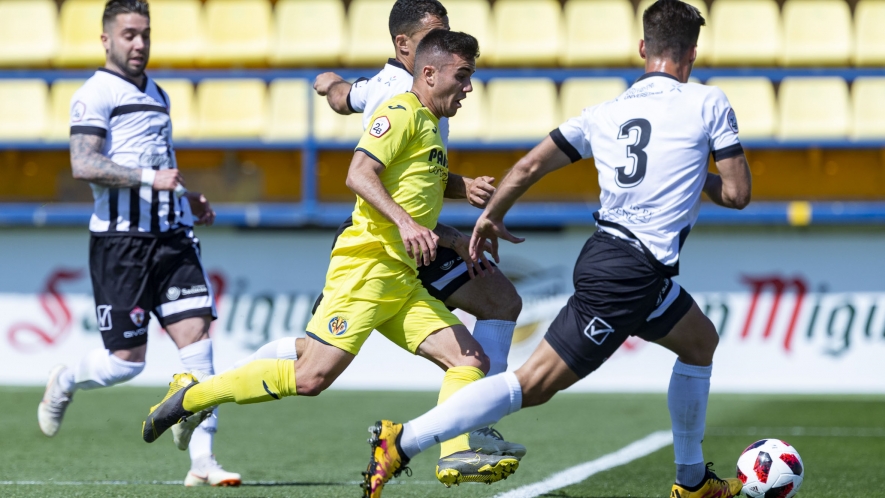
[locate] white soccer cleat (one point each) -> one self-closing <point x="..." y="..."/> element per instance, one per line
<point x="182" y="431"/>
<point x="207" y="472"/>
<point x="55" y="401"/>
<point x="489" y="441"/>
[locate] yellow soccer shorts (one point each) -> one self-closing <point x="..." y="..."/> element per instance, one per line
<point x="376" y="292"/>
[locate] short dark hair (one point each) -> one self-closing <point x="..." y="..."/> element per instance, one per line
<point x="671" y="28"/>
<point x="444" y="42"/>
<point x="406" y="15"/>
<point x="116" y="7"/>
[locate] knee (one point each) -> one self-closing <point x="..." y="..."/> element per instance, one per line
<point x="506" y="305"/>
<point x="702" y="350"/>
<point x="533" y="393"/>
<point x="478" y="360"/>
<point x="311" y="385"/>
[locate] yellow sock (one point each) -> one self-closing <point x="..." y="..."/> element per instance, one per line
<point x="455" y="379"/>
<point x="255" y="382"/>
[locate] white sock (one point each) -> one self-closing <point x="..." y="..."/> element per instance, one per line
<point x="198" y="356"/>
<point x="495" y="337"/>
<point x="99" y="368"/>
<point x="687" y="401"/>
<point x="203" y="437"/>
<point x="476" y="405"/>
<point x="283" y="349"/>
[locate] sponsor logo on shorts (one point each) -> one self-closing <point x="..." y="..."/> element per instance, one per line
<point x="337" y="325"/>
<point x="598" y="331"/>
<point x="103" y="314"/>
<point x="137" y="316"/>
<point x="197" y="289"/>
<point x="447" y="265"/>
<point x="173" y="293"/>
<point x="135" y="333"/>
<point x="664" y="291"/>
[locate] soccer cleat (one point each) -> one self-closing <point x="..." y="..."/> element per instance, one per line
<point x="489" y="441"/>
<point x="184" y="430"/>
<point x="207" y="472"/>
<point x="52" y="408"/>
<point x="169" y="411"/>
<point x="387" y="458"/>
<point x="710" y="487"/>
<point x="470" y="466"/>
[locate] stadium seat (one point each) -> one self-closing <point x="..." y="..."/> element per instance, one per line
<point x="288" y="114"/>
<point x="23" y="105"/>
<point x="745" y="32"/>
<point x="474" y="17"/>
<point x="176" y="32"/>
<point x="28" y="32"/>
<point x="80" y="33"/>
<point x="237" y="32"/>
<point x="753" y="102"/>
<point x="703" y="39"/>
<point x="181" y="103"/>
<point x="302" y="41"/>
<point x="576" y="94"/>
<point x="60" y="95"/>
<point x="813" y="108"/>
<point x="521" y="109"/>
<point x="527" y="32"/>
<point x="868" y="108"/>
<point x="869" y="37"/>
<point x="370" y="44"/>
<point x="816" y="33"/>
<point x="231" y="108"/>
<point x="470" y="121"/>
<point x="329" y="125"/>
<point x="599" y="33"/>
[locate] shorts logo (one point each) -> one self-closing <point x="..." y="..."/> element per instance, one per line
<point x="137" y="316"/>
<point x="337" y="325"/>
<point x="173" y="293"/>
<point x="732" y="120"/>
<point x="598" y="331"/>
<point x="380" y="127"/>
<point x="103" y="314"/>
<point x="134" y="333"/>
<point x="448" y="265"/>
<point x="664" y="290"/>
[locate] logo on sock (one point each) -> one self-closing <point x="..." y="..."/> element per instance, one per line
<point x="173" y="293"/>
<point x="137" y="316"/>
<point x="272" y="395"/>
<point x="337" y="325"/>
<point x="598" y="331"/>
<point x="103" y="314"/>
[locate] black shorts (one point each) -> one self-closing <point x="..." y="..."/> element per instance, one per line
<point x="134" y="276"/>
<point x="618" y="294"/>
<point x="445" y="275"/>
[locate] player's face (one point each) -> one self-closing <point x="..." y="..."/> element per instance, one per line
<point x="128" y="43"/>
<point x="453" y="83"/>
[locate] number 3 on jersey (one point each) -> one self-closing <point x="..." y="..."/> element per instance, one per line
<point x="635" y="151"/>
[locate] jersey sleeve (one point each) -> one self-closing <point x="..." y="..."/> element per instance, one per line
<point x="573" y="139"/>
<point x="387" y="135"/>
<point x="359" y="94"/>
<point x="90" y="112"/>
<point x="722" y="125"/>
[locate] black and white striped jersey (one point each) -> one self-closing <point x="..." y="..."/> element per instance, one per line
<point x="135" y="123"/>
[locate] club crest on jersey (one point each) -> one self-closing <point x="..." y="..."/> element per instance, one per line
<point x="137" y="316"/>
<point x="173" y="293"/>
<point x="380" y="127"/>
<point x="598" y="331"/>
<point x="337" y="325"/>
<point x="732" y="120"/>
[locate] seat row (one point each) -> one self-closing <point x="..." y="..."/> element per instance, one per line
<point x="501" y="110"/>
<point x="512" y="33"/>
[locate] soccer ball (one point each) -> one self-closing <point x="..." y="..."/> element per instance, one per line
<point x="770" y="468"/>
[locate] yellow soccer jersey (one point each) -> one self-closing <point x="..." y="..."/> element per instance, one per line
<point x="404" y="137"/>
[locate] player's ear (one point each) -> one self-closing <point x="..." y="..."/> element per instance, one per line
<point x="694" y="54"/>
<point x="429" y="73"/>
<point x="642" y="49"/>
<point x="106" y="41"/>
<point x="401" y="43"/>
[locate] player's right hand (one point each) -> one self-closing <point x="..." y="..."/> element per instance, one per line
<point x="167" y="179"/>
<point x="487" y="232"/>
<point x="420" y="242"/>
<point x="324" y="83"/>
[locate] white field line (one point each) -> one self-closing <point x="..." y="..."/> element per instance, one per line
<point x="181" y="483"/>
<point x="573" y="475"/>
<point x="770" y="432"/>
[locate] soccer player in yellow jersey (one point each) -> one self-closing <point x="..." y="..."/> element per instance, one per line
<point x="399" y="173"/>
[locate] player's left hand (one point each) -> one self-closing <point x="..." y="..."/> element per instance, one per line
<point x="201" y="209"/>
<point x="488" y="231"/>
<point x="462" y="248"/>
<point x="480" y="191"/>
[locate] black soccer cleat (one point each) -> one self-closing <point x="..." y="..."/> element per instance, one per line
<point x="170" y="411"/>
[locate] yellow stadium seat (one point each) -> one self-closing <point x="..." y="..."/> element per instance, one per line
<point x="869" y="37"/>
<point x="521" y="109"/>
<point x="868" y="106"/>
<point x="599" y="33"/>
<point x="813" y="108"/>
<point x="25" y="110"/>
<point x="237" y="32"/>
<point x="703" y="39"/>
<point x="329" y="125"/>
<point x="474" y="17"/>
<point x="80" y="33"/>
<point x="370" y="43"/>
<point x="470" y="121"/>
<point x="60" y="95"/>
<point x="745" y="32"/>
<point x="288" y="114"/>
<point x="181" y="103"/>
<point x="576" y="94"/>
<point x="302" y="41"/>
<point x="176" y="32"/>
<point x="817" y="33"/>
<point x="231" y="108"/>
<point x="753" y="102"/>
<point x="527" y="32"/>
<point x="28" y="32"/>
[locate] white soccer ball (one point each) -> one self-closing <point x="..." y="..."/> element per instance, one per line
<point x="770" y="468"/>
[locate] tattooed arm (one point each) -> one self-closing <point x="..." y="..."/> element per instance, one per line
<point x="453" y="239"/>
<point x="89" y="164"/>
